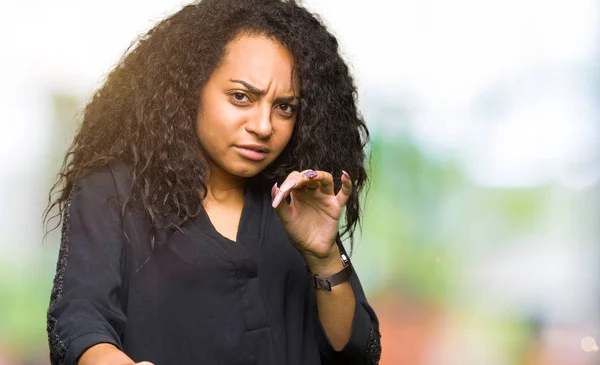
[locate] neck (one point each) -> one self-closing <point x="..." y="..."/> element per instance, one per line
<point x="225" y="188"/>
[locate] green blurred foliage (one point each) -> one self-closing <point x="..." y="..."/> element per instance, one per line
<point x="403" y="216"/>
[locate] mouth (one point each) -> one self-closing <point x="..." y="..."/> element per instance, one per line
<point x="252" y="153"/>
<point x="255" y="147"/>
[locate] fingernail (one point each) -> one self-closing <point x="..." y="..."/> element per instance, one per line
<point x="277" y="199"/>
<point x="273" y="190"/>
<point x="288" y="185"/>
<point x="346" y="174"/>
<point x="310" y="174"/>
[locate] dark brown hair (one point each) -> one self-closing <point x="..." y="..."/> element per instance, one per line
<point x="144" y="114"/>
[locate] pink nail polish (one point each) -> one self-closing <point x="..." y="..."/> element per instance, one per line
<point x="310" y="174"/>
<point x="277" y="199"/>
<point x="346" y="174"/>
<point x="288" y="185"/>
<point x="273" y="190"/>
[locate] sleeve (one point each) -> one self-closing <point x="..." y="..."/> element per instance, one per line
<point x="364" y="345"/>
<point x="85" y="306"/>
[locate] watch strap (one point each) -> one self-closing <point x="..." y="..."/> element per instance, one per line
<point x="327" y="282"/>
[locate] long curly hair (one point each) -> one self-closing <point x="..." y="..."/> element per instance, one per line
<point x="145" y="112"/>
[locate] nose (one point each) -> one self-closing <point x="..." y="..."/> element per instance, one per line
<point x="259" y="123"/>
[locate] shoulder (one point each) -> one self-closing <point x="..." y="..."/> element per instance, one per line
<point x="107" y="181"/>
<point x="103" y="189"/>
<point x="100" y="198"/>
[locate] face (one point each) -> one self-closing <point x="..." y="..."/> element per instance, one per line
<point x="248" y="107"/>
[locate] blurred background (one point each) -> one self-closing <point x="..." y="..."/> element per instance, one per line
<point x="480" y="235"/>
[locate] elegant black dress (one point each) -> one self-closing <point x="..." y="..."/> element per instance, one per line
<point x="194" y="297"/>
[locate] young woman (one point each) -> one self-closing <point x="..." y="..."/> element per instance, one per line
<point x="202" y="196"/>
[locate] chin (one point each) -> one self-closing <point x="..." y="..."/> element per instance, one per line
<point x="246" y="172"/>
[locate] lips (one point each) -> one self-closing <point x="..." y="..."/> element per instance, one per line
<point x="255" y="147"/>
<point x="253" y="152"/>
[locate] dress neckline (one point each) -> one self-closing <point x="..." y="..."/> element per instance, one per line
<point x="250" y="209"/>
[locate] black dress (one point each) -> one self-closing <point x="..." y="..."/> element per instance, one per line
<point x="195" y="297"/>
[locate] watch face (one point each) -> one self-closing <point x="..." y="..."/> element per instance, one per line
<point x="344" y="259"/>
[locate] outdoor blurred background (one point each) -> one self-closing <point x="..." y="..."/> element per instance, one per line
<point x="480" y="236"/>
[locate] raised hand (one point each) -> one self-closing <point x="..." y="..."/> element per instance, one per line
<point x="312" y="217"/>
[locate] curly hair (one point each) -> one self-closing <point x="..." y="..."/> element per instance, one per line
<point x="145" y="112"/>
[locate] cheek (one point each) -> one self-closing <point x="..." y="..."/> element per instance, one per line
<point x="207" y="131"/>
<point x="220" y="118"/>
<point x="283" y="135"/>
<point x="215" y="121"/>
<point x="287" y="130"/>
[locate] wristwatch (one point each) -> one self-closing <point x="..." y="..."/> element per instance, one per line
<point x="326" y="282"/>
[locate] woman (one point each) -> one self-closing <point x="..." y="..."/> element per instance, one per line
<point x="202" y="195"/>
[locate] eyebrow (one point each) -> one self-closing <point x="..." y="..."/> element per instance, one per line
<point x="254" y="90"/>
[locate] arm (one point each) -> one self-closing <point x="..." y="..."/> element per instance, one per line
<point x="336" y="307"/>
<point x="348" y="328"/>
<point x="85" y="307"/>
<point x="104" y="353"/>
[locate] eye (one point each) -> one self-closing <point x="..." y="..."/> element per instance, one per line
<point x="239" y="97"/>
<point x="287" y="108"/>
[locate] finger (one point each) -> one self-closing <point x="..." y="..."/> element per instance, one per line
<point x="311" y="184"/>
<point x="279" y="195"/>
<point x="312" y="179"/>
<point x="346" y="191"/>
<point x="282" y="210"/>
<point x="326" y="182"/>
<point x="307" y="178"/>
<point x="290" y="182"/>
<point x="317" y="179"/>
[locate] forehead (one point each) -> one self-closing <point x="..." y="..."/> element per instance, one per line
<point x="260" y="61"/>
